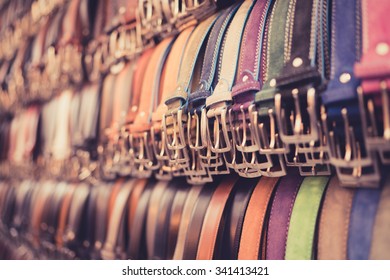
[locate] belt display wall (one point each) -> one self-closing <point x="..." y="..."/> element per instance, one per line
<point x="158" y="129"/>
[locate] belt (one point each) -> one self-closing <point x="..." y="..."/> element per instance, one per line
<point x="152" y="216"/>
<point x="196" y="99"/>
<point x="347" y="150"/>
<point x="185" y="220"/>
<point x="228" y="242"/>
<point x="141" y="148"/>
<point x="373" y="70"/>
<point x="212" y="219"/>
<point x="174" y="119"/>
<point x="380" y="237"/>
<point x="280" y="214"/>
<point x="334" y="222"/>
<point x="110" y="249"/>
<point x="217" y="103"/>
<point x="361" y="223"/>
<point x="249" y="162"/>
<point x="301" y="232"/>
<point x="136" y="247"/>
<point x="73" y="233"/>
<point x="162" y="222"/>
<point x="262" y="113"/>
<point x="175" y="219"/>
<point x="133" y="201"/>
<point x="300" y="84"/>
<point x="196" y="222"/>
<point x="172" y="67"/>
<point x="64" y="212"/>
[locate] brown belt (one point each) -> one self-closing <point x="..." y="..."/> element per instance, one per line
<point x="334" y="222"/>
<point x="133" y="200"/>
<point x="212" y="219"/>
<point x="64" y="212"/>
<point x="114" y="193"/>
<point x="255" y="217"/>
<point x="185" y="221"/>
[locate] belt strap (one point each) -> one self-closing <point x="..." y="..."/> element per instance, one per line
<point x="380" y="237"/>
<point x="152" y="216"/>
<point x="110" y="250"/>
<point x="64" y="215"/>
<point x="334" y="222"/>
<point x="362" y="219"/>
<point x="137" y="242"/>
<point x="233" y="220"/>
<point x="212" y="219"/>
<point x="255" y="217"/>
<point x="133" y="201"/>
<point x="162" y="222"/>
<point x="196" y="222"/>
<point x="280" y="215"/>
<point x="301" y="233"/>
<point x="189" y="205"/>
<point x="175" y="219"/>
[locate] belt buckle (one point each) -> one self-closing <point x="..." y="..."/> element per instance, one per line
<point x="106" y="161"/>
<point x="351" y="167"/>
<point x="126" y="161"/>
<point x="268" y="142"/>
<point x="142" y="154"/>
<point x="219" y="120"/>
<point x="197" y="173"/>
<point x="297" y="135"/>
<point x="160" y="150"/>
<point x="374" y="140"/>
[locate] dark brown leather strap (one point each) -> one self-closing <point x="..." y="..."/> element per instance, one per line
<point x="211" y="224"/>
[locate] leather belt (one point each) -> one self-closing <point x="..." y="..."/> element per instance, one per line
<point x="217" y="103"/>
<point x="162" y="222"/>
<point x="64" y="212"/>
<point x="249" y="162"/>
<point x="300" y="83"/>
<point x="361" y="223"/>
<point x="110" y="249"/>
<point x="262" y="114"/>
<point x="380" y="237"/>
<point x="228" y="241"/>
<point x="175" y="219"/>
<point x="196" y="222"/>
<point x="342" y="124"/>
<point x="152" y="216"/>
<point x="185" y="220"/>
<point x="373" y="69"/>
<point x="280" y="214"/>
<point x="141" y="148"/>
<point x="196" y="99"/>
<point x="212" y="219"/>
<point x="174" y="119"/>
<point x="334" y="222"/>
<point x="255" y="217"/>
<point x="133" y="201"/>
<point x="136" y="247"/>
<point x="301" y="232"/>
<point x="172" y="68"/>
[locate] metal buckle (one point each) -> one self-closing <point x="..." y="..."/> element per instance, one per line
<point x="219" y="121"/>
<point x="142" y="155"/>
<point x="377" y="138"/>
<point x="126" y="160"/>
<point x="297" y="135"/>
<point x="160" y="150"/>
<point x="106" y="164"/>
<point x="351" y="167"/>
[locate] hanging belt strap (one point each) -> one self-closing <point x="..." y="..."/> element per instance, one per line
<point x="342" y="122"/>
<point x="301" y="232"/>
<point x="361" y="223"/>
<point x="374" y="71"/>
<point x="212" y="219"/>
<point x="217" y="103"/>
<point x="334" y="222"/>
<point x="380" y="249"/>
<point x="280" y="215"/>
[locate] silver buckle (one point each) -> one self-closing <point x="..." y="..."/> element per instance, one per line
<point x="219" y="126"/>
<point x="374" y="140"/>
<point x="142" y="155"/>
<point x="350" y="167"/>
<point x="160" y="150"/>
<point x="106" y="161"/>
<point x="298" y="135"/>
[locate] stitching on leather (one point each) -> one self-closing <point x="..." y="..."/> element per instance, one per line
<point x="297" y="188"/>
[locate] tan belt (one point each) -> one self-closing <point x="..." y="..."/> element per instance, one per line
<point x="255" y="217"/>
<point x="133" y="200"/>
<point x="208" y="236"/>
<point x="64" y="212"/>
<point x="334" y="222"/>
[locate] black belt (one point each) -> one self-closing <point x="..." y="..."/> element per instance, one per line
<point x="229" y="235"/>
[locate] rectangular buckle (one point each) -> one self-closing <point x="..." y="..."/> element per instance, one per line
<point x="296" y="134"/>
<point x="377" y="138"/>
<point x="141" y="151"/>
<point x="219" y="140"/>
